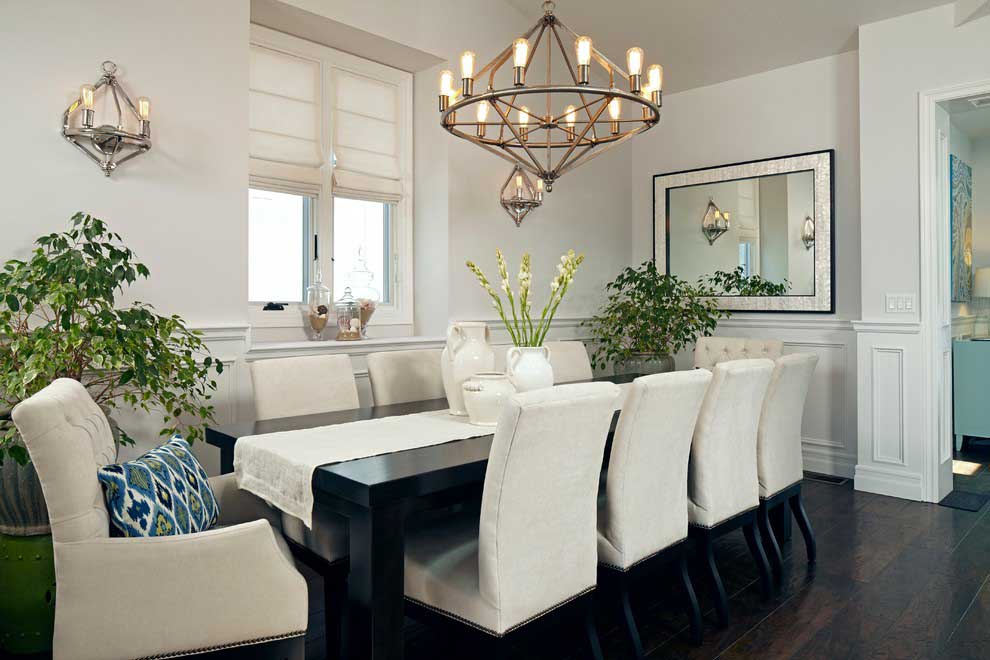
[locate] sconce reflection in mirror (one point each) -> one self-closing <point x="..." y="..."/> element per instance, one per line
<point x="808" y="233"/>
<point x="715" y="223"/>
<point x="110" y="145"/>
<point x="519" y="196"/>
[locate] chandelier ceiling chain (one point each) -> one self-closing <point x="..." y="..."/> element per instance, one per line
<point x="546" y="138"/>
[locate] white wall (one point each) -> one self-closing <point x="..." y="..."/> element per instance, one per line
<point x="180" y="207"/>
<point x="899" y="59"/>
<point x="796" y="109"/>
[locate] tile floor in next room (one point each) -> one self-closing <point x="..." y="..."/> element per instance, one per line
<point x="895" y="579"/>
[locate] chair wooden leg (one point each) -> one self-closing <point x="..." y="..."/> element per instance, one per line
<point x="770" y="539"/>
<point x="694" y="611"/>
<point x="801" y="516"/>
<point x="721" y="600"/>
<point x="594" y="646"/>
<point x="627" y="616"/>
<point x="756" y="549"/>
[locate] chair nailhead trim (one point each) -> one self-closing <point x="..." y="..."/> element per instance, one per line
<point x="752" y="508"/>
<point x="491" y="632"/>
<point x="640" y="561"/>
<point x="221" y="647"/>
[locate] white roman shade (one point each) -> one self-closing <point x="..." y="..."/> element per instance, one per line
<point x="285" y="117"/>
<point x="367" y="139"/>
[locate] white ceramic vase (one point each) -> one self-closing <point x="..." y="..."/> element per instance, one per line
<point x="529" y="367"/>
<point x="467" y="353"/>
<point x="484" y="395"/>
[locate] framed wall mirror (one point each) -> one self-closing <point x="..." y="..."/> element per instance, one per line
<point x="772" y="218"/>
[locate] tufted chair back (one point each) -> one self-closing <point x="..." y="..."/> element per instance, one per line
<point x="308" y="385"/>
<point x="537" y="541"/>
<point x="68" y="437"/>
<point x="778" y="454"/>
<point x="569" y="360"/>
<point x="722" y="478"/>
<point x="709" y="351"/>
<point x="401" y="376"/>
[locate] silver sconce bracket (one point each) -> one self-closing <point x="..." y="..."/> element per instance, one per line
<point x="108" y="145"/>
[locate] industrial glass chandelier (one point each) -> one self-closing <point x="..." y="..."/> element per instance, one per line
<point x="548" y="127"/>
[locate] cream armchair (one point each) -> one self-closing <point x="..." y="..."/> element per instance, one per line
<point x="163" y="597"/>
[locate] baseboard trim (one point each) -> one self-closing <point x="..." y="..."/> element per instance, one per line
<point x="893" y="483"/>
<point x="828" y="461"/>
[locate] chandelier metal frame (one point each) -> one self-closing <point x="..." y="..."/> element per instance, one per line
<point x="563" y="145"/>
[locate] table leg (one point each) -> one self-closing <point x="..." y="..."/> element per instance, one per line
<point x="375" y="584"/>
<point x="226" y="460"/>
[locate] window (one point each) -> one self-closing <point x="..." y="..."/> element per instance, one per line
<point x="330" y="146"/>
<point x="280" y="233"/>
<point x="361" y="246"/>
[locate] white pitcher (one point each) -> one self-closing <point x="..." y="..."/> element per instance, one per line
<point x="467" y="353"/>
<point x="528" y="367"/>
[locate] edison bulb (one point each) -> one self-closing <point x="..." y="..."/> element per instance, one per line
<point x="523" y="116"/>
<point x="583" y="48"/>
<point x="615" y="108"/>
<point x="446" y="82"/>
<point x="570" y="115"/>
<point x="520" y="52"/>
<point x="482" y="112"/>
<point x="634" y="61"/>
<point x="654" y="77"/>
<point x="86" y="96"/>
<point x="467" y="64"/>
<point x="144" y="108"/>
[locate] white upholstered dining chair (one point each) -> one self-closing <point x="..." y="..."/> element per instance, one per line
<point x="780" y="463"/>
<point x="709" y="351"/>
<point x="569" y="360"/>
<point x="643" y="516"/>
<point x="403" y="376"/>
<point x="307" y="385"/>
<point x="533" y="547"/>
<point x="723" y="488"/>
<point x="167" y="596"/>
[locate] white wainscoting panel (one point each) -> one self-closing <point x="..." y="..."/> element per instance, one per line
<point x="891" y="438"/>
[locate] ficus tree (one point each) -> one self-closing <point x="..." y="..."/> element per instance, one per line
<point x="59" y="318"/>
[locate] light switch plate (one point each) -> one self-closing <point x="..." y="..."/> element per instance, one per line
<point x="899" y="303"/>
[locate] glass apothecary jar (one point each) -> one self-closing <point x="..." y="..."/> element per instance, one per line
<point x="368" y="297"/>
<point x="318" y="301"/>
<point x="348" y="311"/>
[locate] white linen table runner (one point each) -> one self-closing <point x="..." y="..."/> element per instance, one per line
<point x="278" y="467"/>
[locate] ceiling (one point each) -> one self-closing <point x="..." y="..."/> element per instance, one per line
<point x="974" y="122"/>
<point x="701" y="42"/>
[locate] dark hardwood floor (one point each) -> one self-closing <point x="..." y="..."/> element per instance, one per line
<point x="895" y="579"/>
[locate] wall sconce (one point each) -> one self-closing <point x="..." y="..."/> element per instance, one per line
<point x="108" y="142"/>
<point x="808" y="233"/>
<point x="715" y="223"/>
<point x="519" y="196"/>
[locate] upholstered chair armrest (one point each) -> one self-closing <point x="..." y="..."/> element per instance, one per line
<point x="141" y="597"/>
<point x="239" y="506"/>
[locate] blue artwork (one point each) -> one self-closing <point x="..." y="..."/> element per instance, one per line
<point x="961" y="192"/>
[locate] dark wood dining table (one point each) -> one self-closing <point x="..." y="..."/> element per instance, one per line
<point x="378" y="495"/>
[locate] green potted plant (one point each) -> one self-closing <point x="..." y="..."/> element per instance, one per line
<point x="59" y="319"/>
<point x="649" y="316"/>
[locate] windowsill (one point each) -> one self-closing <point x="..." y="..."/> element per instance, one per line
<point x="309" y="347"/>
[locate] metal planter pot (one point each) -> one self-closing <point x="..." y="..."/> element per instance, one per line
<point x="644" y="364"/>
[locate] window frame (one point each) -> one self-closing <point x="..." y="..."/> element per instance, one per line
<point x="310" y="201"/>
<point x="399" y="311"/>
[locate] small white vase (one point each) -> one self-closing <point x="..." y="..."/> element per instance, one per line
<point x="484" y="395"/>
<point x="528" y="367"/>
<point x="467" y="353"/>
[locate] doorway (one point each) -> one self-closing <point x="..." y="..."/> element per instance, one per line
<point x="955" y="303"/>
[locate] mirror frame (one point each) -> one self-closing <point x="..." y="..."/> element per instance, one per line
<point x="823" y="165"/>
